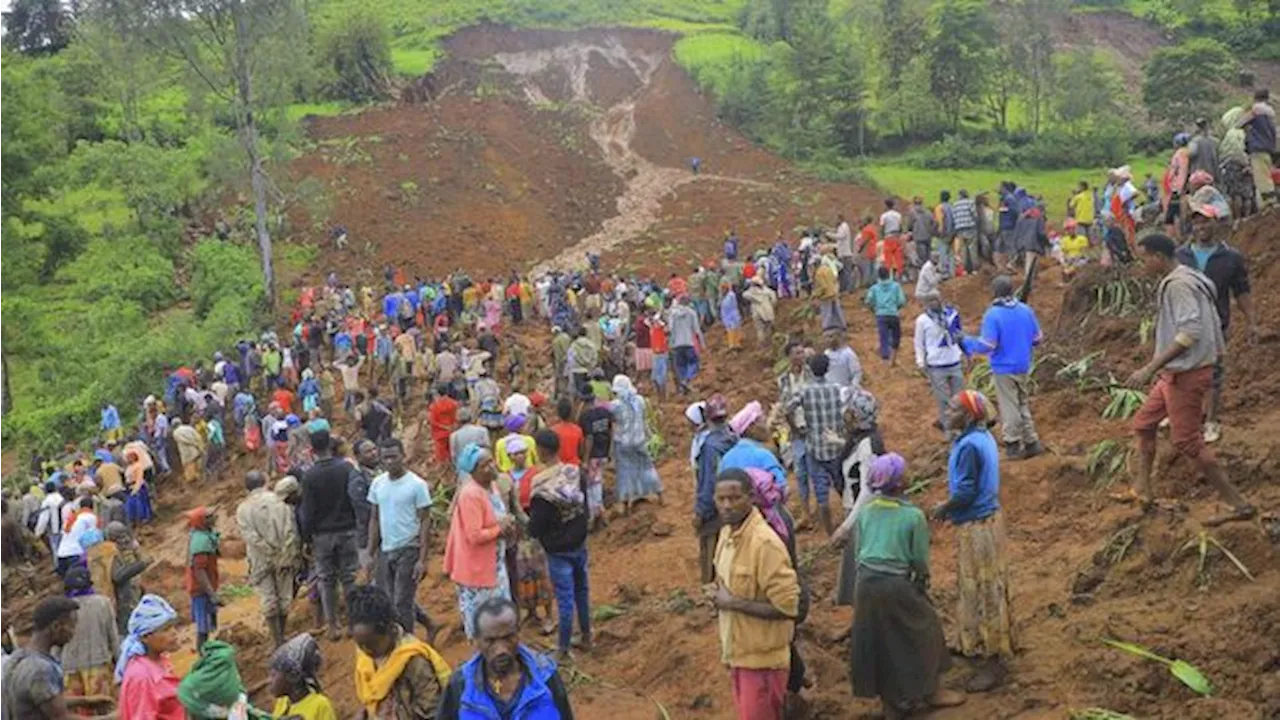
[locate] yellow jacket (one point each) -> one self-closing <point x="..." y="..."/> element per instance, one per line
<point x="752" y="564"/>
<point x="825" y="282"/>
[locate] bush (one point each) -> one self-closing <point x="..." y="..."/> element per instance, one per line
<point x="355" y="52"/>
<point x="1096" y="144"/>
<point x="221" y="270"/>
<point x="129" y="268"/>
<point x="954" y="152"/>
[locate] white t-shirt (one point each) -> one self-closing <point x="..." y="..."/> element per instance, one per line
<point x="69" y="546"/>
<point x="891" y="222"/>
<point x="517" y="404"/>
<point x="844" y="240"/>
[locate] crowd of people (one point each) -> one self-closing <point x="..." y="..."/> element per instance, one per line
<point x="536" y="464"/>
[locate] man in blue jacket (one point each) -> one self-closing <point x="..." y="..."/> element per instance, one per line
<point x="505" y="679"/>
<point x="1009" y="335"/>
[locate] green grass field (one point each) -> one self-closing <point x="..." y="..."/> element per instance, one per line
<point x="418" y="26"/>
<point x="707" y="56"/>
<point x="1055" y="185"/>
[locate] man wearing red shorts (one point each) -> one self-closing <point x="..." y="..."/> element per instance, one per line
<point x="1188" y="343"/>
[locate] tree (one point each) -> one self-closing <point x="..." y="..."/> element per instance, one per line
<point x="1001" y="86"/>
<point x="36" y="27"/>
<point x="1087" y="85"/>
<point x="231" y="46"/>
<point x="959" y="41"/>
<point x="357" y="53"/>
<point x="111" y="31"/>
<point x="1181" y="82"/>
<point x="766" y="20"/>
<point x="32" y="135"/>
<point x="901" y="38"/>
<point x="1030" y="46"/>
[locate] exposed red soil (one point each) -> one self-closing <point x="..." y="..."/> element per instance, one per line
<point x="460" y="182"/>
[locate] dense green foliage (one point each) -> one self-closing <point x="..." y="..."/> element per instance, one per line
<point x="356" y="54"/>
<point x="1180" y="83"/>
<point x="926" y="75"/>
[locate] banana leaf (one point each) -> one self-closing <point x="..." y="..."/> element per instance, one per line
<point x="1187" y="673"/>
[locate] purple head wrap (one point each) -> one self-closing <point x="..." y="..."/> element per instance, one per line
<point x="886" y="473"/>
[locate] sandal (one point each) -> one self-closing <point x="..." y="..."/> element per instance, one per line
<point x="1237" y="514"/>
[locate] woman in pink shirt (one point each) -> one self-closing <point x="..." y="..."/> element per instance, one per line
<point x="478" y="531"/>
<point x="148" y="687"/>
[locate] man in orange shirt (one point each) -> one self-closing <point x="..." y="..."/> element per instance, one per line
<point x="866" y="248"/>
<point x="443" y="416"/>
<point x="572" y="440"/>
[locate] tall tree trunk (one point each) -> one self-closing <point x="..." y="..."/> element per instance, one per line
<point x="7" y="403"/>
<point x="249" y="137"/>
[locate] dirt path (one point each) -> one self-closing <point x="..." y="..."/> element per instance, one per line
<point x="614" y="130"/>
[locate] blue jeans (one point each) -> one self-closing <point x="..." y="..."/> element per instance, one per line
<point x="659" y="372"/>
<point x="825" y="474"/>
<point x="204" y="612"/>
<point x="569" y="577"/>
<point x="889" y="328"/>
<point x="686" y="359"/>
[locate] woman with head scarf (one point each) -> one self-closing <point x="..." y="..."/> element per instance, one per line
<point x="87" y="659"/>
<point x="861" y="450"/>
<point x="750" y="451"/>
<point x="515" y="426"/>
<point x="294" y="680"/>
<point x="984" y="616"/>
<point x="309" y="391"/>
<point x="526" y="561"/>
<point x="479" y="529"/>
<point x="148" y="685"/>
<point x="637" y="478"/>
<point x="898" y="651"/>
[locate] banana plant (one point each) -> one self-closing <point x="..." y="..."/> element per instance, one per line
<point x="1124" y="403"/>
<point x="1187" y="673"/>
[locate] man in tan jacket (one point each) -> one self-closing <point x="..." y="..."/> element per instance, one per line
<point x="758" y="596"/>
<point x="272" y="547"/>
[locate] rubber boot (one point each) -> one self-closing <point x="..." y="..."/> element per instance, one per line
<point x="277" y="630"/>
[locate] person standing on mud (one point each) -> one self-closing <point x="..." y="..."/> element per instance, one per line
<point x="329" y="524"/>
<point x="400" y="532"/>
<point x="757" y="599"/>
<point x="1010" y="332"/>
<point x="938" y="353"/>
<point x="716" y="441"/>
<point x="1189" y="342"/>
<point x="1226" y="267"/>
<point x="273" y="549"/>
<point x="685" y="337"/>
<point x="843" y="238"/>
<point x="985" y="613"/>
<point x="819" y="409"/>
<point x="826" y="293"/>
